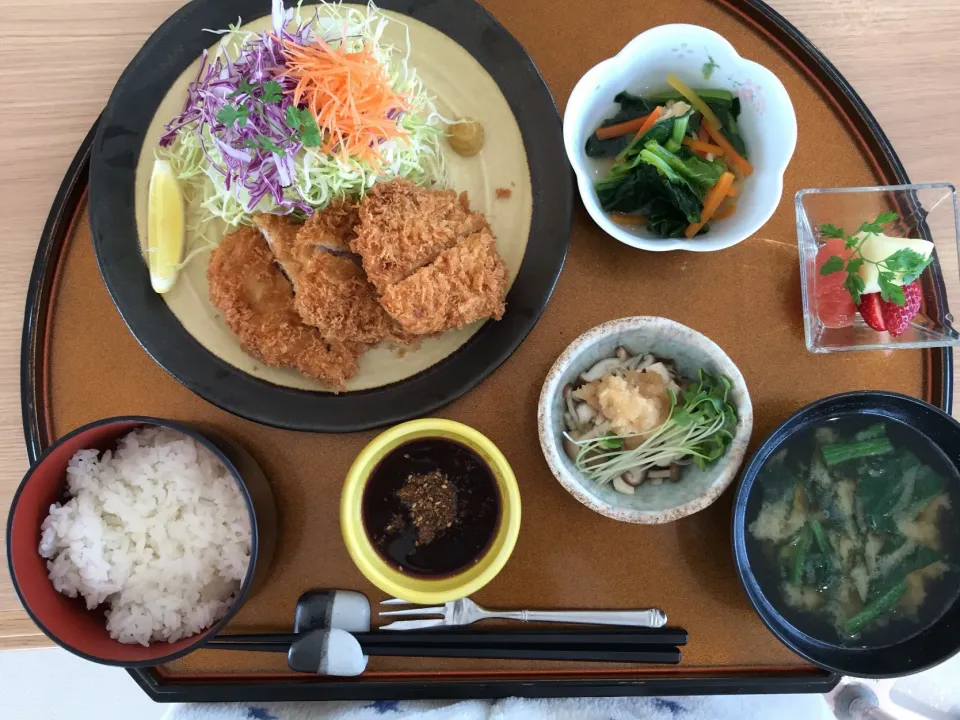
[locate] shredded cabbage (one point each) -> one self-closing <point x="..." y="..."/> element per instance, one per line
<point x="230" y="188"/>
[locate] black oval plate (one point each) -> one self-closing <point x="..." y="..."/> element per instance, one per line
<point x="116" y="149"/>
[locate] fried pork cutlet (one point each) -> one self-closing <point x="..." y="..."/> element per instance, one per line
<point x="330" y="229"/>
<point x="280" y="232"/>
<point x="257" y="303"/>
<point x="404" y="227"/>
<point x="464" y="284"/>
<point x="335" y="296"/>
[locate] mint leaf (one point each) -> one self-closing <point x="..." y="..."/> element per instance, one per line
<point x="854" y="285"/>
<point x="832" y="231"/>
<point x="230" y="114"/>
<point x="293" y="118"/>
<point x="272" y="92"/>
<point x="833" y="264"/>
<point x="890" y="289"/>
<point x="854" y="265"/>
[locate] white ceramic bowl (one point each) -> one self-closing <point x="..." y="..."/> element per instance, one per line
<point x="767" y="123"/>
<point x="651" y="504"/>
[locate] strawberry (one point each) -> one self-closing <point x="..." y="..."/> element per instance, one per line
<point x="897" y="319"/>
<point x="886" y="316"/>
<point x="871" y="312"/>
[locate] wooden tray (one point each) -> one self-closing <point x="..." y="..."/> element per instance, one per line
<point x="80" y="363"/>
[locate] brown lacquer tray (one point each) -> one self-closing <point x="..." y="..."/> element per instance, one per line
<point x="80" y="363"/>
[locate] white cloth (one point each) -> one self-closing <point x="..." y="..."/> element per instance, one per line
<point x="719" y="707"/>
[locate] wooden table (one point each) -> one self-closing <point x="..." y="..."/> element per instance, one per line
<point x="62" y="58"/>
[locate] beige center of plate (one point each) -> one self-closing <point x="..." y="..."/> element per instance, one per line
<point x="461" y="88"/>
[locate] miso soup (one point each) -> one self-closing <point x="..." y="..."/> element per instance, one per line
<point x="853" y="535"/>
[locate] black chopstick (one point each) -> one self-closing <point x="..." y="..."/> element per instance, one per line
<point x="663" y="654"/>
<point x="278" y="642"/>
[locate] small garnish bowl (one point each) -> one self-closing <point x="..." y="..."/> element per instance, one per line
<point x="417" y="588"/>
<point x="927" y="212"/>
<point x="690" y="351"/>
<point x="702" y="59"/>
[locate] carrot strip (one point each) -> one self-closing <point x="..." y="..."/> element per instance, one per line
<point x="735" y="158"/>
<point x="725" y="212"/>
<point x="702" y="135"/>
<point x="703" y="147"/>
<point x="710" y="204"/>
<point x="649" y="122"/>
<point x="694" y="99"/>
<point x="349" y="94"/>
<point x="612" y="131"/>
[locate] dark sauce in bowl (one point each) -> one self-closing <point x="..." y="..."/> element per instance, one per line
<point x="462" y="501"/>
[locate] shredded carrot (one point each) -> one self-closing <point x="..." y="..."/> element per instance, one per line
<point x="627" y="218"/>
<point x="349" y="94"/>
<point x="726" y="211"/>
<point x="649" y="122"/>
<point x="703" y="147"/>
<point x="702" y="135"/>
<point x="716" y="196"/>
<point x="612" y="131"/>
<point x="735" y="158"/>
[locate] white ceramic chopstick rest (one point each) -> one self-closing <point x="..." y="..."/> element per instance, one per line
<point x="327" y="652"/>
<point x="341" y="609"/>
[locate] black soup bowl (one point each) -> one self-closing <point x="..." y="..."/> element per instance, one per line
<point x="937" y="635"/>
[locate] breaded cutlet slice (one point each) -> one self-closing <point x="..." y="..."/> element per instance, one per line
<point x="257" y="304"/>
<point x="404" y="227"/>
<point x="464" y="284"/>
<point x="330" y="229"/>
<point x="335" y="296"/>
<point x="280" y="232"/>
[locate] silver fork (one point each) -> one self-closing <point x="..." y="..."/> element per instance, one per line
<point x="466" y="611"/>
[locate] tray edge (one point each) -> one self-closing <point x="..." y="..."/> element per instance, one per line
<point x="54" y="234"/>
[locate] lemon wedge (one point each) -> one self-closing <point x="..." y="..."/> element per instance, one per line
<point x="164" y="227"/>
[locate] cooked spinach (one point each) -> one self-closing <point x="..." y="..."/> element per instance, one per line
<point x="727" y="114"/>
<point x="631" y="107"/>
<point x="656" y="174"/>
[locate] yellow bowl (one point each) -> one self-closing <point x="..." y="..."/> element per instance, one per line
<point x="403" y="585"/>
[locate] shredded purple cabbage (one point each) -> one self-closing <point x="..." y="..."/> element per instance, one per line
<point x="216" y="86"/>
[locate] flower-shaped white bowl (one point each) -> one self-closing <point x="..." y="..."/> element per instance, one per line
<point x="690" y="351"/>
<point x="767" y="123"/>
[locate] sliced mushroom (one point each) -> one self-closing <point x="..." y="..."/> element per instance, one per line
<point x="622" y="353"/>
<point x="633" y="477"/>
<point x="660" y="369"/>
<point x="645" y="361"/>
<point x="600" y="369"/>
<point x="672" y="473"/>
<point x="585" y="413"/>
<point x="595" y="432"/>
<point x="571" y="405"/>
<point x="570" y="447"/>
<point x="622" y="486"/>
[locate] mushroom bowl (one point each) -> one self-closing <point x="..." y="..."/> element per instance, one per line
<point x="644" y="420"/>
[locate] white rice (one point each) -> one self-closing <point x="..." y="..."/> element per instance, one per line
<point x="158" y="530"/>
